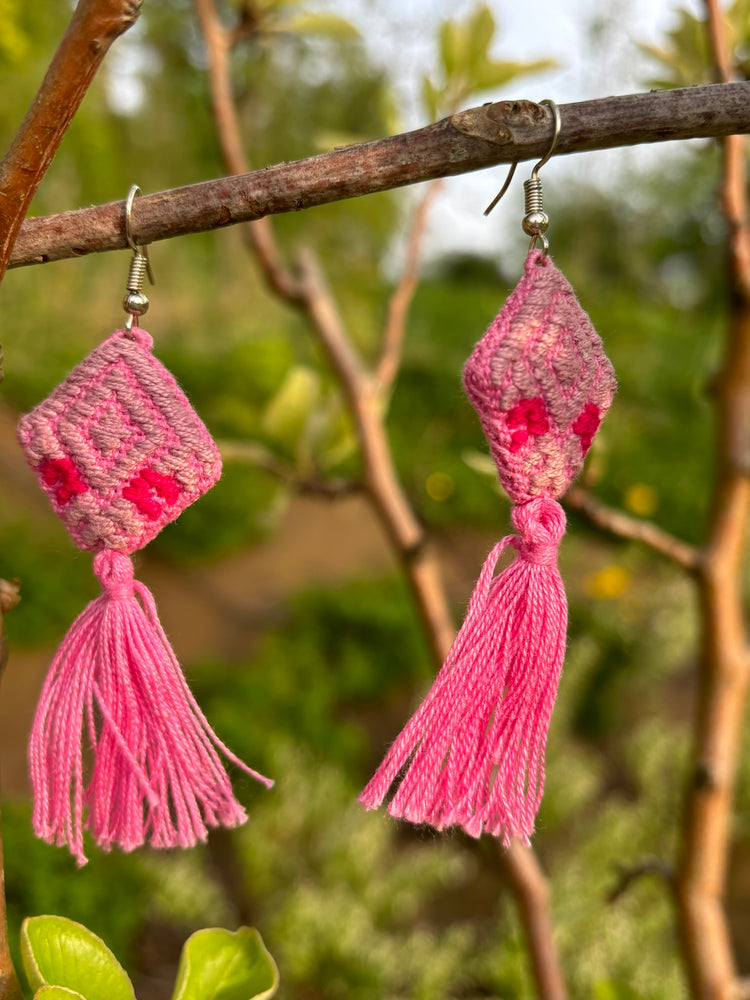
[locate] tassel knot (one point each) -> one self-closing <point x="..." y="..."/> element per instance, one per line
<point x="473" y="753"/>
<point x="541" y="524"/>
<point x="115" y="573"/>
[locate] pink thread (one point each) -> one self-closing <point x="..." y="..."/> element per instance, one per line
<point x="540" y="351"/>
<point x="61" y="476"/>
<point x="586" y="425"/>
<point x="157" y="775"/>
<point x="120" y="453"/>
<point x="118" y="448"/>
<point x="148" y="488"/>
<point x="472" y="755"/>
<point x="527" y="418"/>
<point x="474" y="750"/>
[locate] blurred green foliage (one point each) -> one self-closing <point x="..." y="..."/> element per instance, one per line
<point x="353" y="905"/>
<point x="686" y="58"/>
<point x="466" y="64"/>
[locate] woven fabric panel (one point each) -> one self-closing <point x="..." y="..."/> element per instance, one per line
<point x="118" y="448"/>
<point x="541" y="383"/>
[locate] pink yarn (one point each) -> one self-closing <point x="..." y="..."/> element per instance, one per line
<point x="118" y="448"/>
<point x="473" y="753"/>
<point x="157" y="774"/>
<point x="541" y="383"/>
<point x="475" y="746"/>
<point x="120" y="452"/>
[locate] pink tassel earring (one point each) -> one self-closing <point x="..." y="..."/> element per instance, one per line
<point x="473" y="754"/>
<point x="120" y="453"/>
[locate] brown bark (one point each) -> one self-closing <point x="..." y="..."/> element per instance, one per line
<point x="532" y="894"/>
<point x="470" y="140"/>
<point x="725" y="661"/>
<point x="95" y="24"/>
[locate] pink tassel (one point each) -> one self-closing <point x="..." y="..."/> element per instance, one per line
<point x="120" y="453"/>
<point x="157" y="774"/>
<point x="475" y="747"/>
<point x="473" y="753"/>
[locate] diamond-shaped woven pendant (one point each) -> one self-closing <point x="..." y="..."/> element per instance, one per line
<point x="541" y="383"/>
<point x="473" y="753"/>
<point x="120" y="453"/>
<point x="118" y="448"/>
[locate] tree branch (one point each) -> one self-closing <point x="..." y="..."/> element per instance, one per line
<point x="470" y="140"/>
<point x="621" y="525"/>
<point x="259" y="236"/>
<point x="9" y="985"/>
<point x="724" y="667"/>
<point x="307" y="291"/>
<point x="403" y="295"/>
<point x="531" y="890"/>
<point x="95" y="24"/>
<point x="260" y="457"/>
<point x="627" y="876"/>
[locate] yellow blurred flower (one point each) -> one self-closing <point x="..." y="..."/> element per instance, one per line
<point x="439" y="486"/>
<point x="608" y="583"/>
<point x="641" y="499"/>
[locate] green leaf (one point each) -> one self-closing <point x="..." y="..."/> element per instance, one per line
<point x="490" y="74"/>
<point x="286" y="416"/>
<point x="59" y="952"/>
<point x="334" y="439"/>
<point x="686" y="56"/>
<point x="431" y="96"/>
<point x="57" y="993"/>
<point x="448" y="48"/>
<point x="329" y="25"/>
<point x="221" y="965"/>
<point x="480" y="30"/>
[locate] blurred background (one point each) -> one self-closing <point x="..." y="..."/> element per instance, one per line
<point x="288" y="611"/>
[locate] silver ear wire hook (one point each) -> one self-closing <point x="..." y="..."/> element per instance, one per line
<point x="535" y="221"/>
<point x="135" y="302"/>
<point x="556" y="135"/>
<point x="503" y="189"/>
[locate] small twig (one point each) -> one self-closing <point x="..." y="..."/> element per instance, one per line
<point x="329" y="488"/>
<point x="10" y="595"/>
<point x="470" y="140"/>
<point x="633" y="873"/>
<point x="622" y="525"/>
<point x="257" y="235"/>
<point x="95" y="24"/>
<point x="401" y="299"/>
<point x="532" y="893"/>
<point x="9" y="985"/>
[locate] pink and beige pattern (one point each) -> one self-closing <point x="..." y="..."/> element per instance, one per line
<point x="118" y="448"/>
<point x="541" y="383"/>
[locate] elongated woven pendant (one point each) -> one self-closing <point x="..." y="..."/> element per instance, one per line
<point x="120" y="453"/>
<point x="473" y="754"/>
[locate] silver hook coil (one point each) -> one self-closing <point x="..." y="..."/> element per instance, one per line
<point x="135" y="302"/>
<point x="535" y="221"/>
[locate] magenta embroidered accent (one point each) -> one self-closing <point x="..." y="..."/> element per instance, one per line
<point x="120" y="453"/>
<point x="473" y="753"/>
